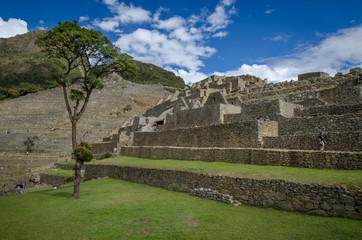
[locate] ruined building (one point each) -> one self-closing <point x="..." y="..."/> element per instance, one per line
<point x="252" y="121"/>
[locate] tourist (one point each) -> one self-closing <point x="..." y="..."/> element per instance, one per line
<point x="322" y="141"/>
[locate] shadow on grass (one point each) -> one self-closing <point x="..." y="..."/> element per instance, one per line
<point x="54" y="192"/>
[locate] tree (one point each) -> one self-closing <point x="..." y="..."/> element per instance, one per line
<point x="92" y="54"/>
<point x="30" y="143"/>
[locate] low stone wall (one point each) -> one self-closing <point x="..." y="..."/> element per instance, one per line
<point x="329" y="110"/>
<point x="241" y="134"/>
<point x="272" y="157"/>
<point x="282" y="194"/>
<point x="100" y="148"/>
<point x="54" y="180"/>
<point x="342" y="141"/>
<point x="328" y="123"/>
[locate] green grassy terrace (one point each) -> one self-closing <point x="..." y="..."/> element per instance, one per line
<point x="116" y="209"/>
<point x="349" y="178"/>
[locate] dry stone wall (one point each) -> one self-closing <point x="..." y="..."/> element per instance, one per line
<point x="282" y="194"/>
<point x="325" y="123"/>
<point x="242" y="134"/>
<point x="255" y="156"/>
<point x="208" y="115"/>
<point x="340" y="141"/>
<point x="329" y="110"/>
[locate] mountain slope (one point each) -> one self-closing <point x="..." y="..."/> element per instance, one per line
<point x="25" y="69"/>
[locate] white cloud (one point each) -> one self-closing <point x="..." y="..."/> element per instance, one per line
<point x="161" y="49"/>
<point x="176" y="43"/>
<point x="279" y="37"/>
<point x="124" y="14"/>
<point x="188" y="76"/>
<point x="170" y="24"/>
<point x="336" y="53"/>
<point x="269" y="11"/>
<point x="228" y="2"/>
<point x="218" y="19"/>
<point x="220" y="34"/>
<point x="12" y="27"/>
<point x="83" y="18"/>
<point x="108" y="24"/>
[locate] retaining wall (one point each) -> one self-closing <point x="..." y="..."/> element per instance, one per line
<point x="283" y="194"/>
<point x="328" y="123"/>
<point x="272" y="157"/>
<point x="329" y="110"/>
<point x="340" y="141"/>
<point x="208" y="115"/>
<point x="242" y="134"/>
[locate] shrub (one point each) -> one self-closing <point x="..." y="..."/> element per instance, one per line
<point x="30" y="143"/>
<point x="13" y="93"/>
<point x="105" y="155"/>
<point x="82" y="152"/>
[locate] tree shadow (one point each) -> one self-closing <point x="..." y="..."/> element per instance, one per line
<point x="55" y="193"/>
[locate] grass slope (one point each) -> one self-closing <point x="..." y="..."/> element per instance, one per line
<point x="115" y="209"/>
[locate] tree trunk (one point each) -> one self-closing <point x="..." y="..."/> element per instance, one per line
<point x="77" y="177"/>
<point x="74" y="135"/>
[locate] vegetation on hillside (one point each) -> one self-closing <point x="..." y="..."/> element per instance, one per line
<point x="152" y="74"/>
<point x="25" y="69"/>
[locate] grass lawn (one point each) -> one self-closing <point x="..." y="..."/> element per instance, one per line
<point x="116" y="209"/>
<point x="350" y="178"/>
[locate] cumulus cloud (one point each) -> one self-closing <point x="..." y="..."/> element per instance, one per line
<point x="161" y="49"/>
<point x="177" y="43"/>
<point x="124" y="14"/>
<point x="336" y="53"/>
<point x="12" y="27"/>
<point x="83" y="18"/>
<point x="170" y="24"/>
<point x="220" y="19"/>
<point x="220" y="34"/>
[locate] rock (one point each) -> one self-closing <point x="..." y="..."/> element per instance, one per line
<point x="35" y="178"/>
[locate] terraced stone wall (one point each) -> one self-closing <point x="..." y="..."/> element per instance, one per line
<point x="328" y="110"/>
<point x="283" y="194"/>
<point x="327" y="123"/>
<point x="271" y="109"/>
<point x="271" y="157"/>
<point x="208" y="115"/>
<point x="349" y="92"/>
<point x="342" y="141"/>
<point x="242" y="134"/>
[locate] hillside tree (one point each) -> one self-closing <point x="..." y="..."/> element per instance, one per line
<point x="91" y="53"/>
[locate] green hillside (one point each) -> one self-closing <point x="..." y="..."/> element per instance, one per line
<point x="25" y="69"/>
<point x="152" y="74"/>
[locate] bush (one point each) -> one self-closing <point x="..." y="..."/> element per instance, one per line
<point x="82" y="152"/>
<point x="29" y="143"/>
<point x="13" y="93"/>
<point x="105" y="155"/>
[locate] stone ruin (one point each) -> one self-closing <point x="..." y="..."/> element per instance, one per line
<point x="249" y="121"/>
<point x="222" y="111"/>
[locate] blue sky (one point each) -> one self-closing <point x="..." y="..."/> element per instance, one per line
<point x="276" y="40"/>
